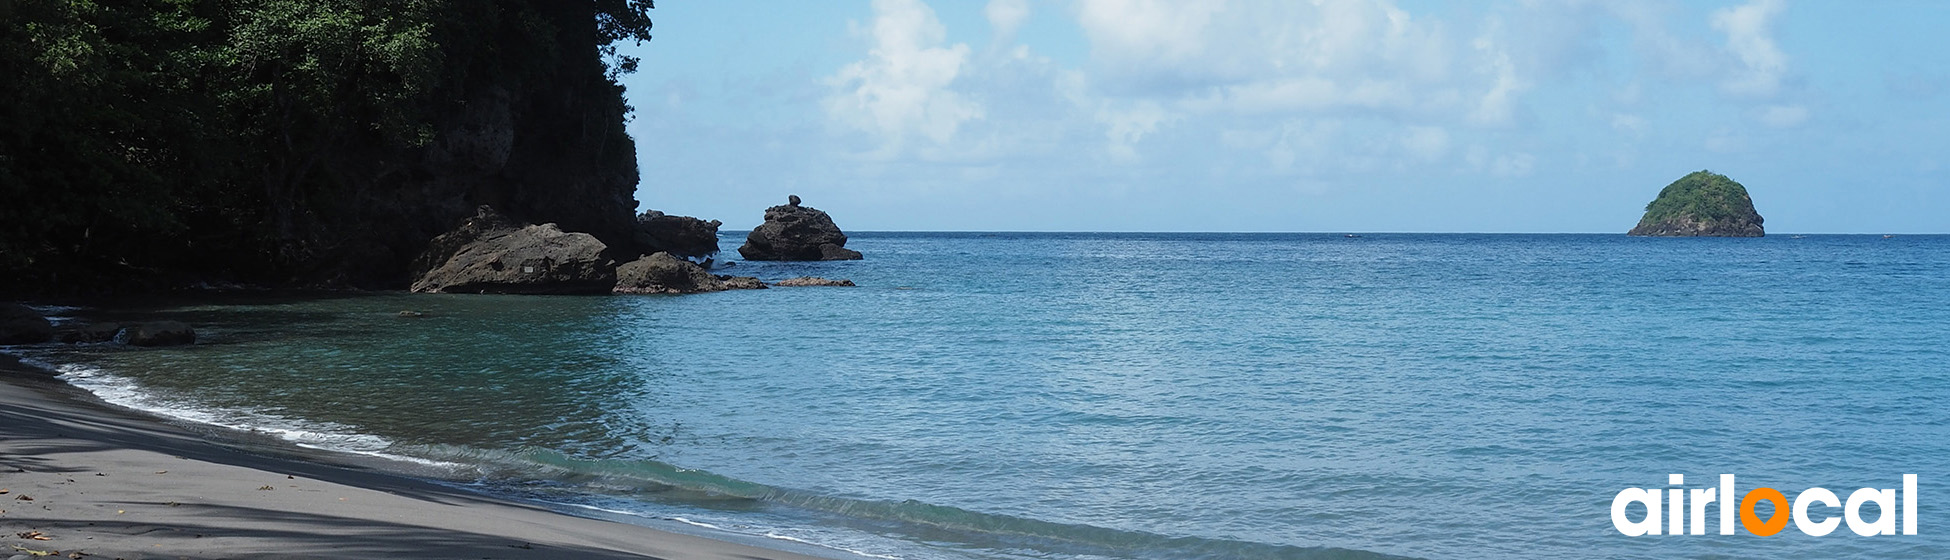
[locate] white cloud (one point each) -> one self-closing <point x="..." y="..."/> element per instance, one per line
<point x="1427" y="143"/>
<point x="1498" y="105"/>
<point x="1005" y="16"/>
<point x="1761" y="62"/>
<point x="1783" y="116"/>
<point x="1132" y="34"/>
<point x="1256" y="57"/>
<point x="1514" y="165"/>
<point x="1631" y="124"/>
<point x="902" y="89"/>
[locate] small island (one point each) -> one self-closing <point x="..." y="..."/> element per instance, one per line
<point x="1701" y="204"/>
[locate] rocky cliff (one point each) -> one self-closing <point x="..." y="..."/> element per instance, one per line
<point x="155" y="145"/>
<point x="1701" y="204"/>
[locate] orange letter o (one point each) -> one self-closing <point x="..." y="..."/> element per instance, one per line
<point x="1774" y="523"/>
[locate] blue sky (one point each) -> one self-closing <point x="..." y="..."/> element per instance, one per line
<point x="1333" y="115"/>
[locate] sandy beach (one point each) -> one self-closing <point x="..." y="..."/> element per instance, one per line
<point x="80" y="479"/>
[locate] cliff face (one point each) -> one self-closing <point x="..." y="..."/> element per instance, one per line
<point x="543" y="143"/>
<point x="1701" y="204"/>
<point x="300" y="143"/>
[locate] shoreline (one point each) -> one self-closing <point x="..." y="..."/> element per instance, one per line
<point x="107" y="482"/>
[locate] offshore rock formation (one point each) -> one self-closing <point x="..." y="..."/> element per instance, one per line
<point x="159" y="333"/>
<point x="811" y="281"/>
<point x="492" y="254"/>
<point x="1701" y="204"/>
<point x="87" y="333"/>
<point x="682" y="236"/>
<point x="663" y="273"/>
<point x="797" y="233"/>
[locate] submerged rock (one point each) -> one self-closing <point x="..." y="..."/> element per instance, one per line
<point x="741" y="282"/>
<point x="78" y="333"/>
<point x="1701" y="204"/>
<point x="797" y="233"/>
<point x="491" y="254"/>
<point x="683" y="236"/>
<point x="811" y="281"/>
<point x="663" y="273"/>
<point x="159" y="333"/>
<point x="20" y="324"/>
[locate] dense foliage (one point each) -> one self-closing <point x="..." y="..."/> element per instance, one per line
<point x="1703" y="196"/>
<point x="247" y="139"/>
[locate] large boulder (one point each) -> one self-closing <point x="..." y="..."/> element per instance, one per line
<point x="663" y="273"/>
<point x="1701" y="204"/>
<point x="487" y="222"/>
<point x="490" y="254"/>
<point x="20" y="324"/>
<point x="159" y="333"/>
<point x="683" y="236"/>
<point x="796" y="233"/>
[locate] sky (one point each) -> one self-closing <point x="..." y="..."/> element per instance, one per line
<point x="1278" y="116"/>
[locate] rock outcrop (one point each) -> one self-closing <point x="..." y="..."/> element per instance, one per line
<point x="1701" y="204"/>
<point x="683" y="236"/>
<point x="741" y="282"/>
<point x="811" y="281"/>
<point x="492" y="254"/>
<point x="81" y="333"/>
<point x="20" y="324"/>
<point x="796" y="233"/>
<point x="663" y="273"/>
<point x="159" y="333"/>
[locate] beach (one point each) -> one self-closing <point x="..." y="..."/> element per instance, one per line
<point x="84" y="480"/>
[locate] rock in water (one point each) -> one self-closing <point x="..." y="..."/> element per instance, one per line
<point x="77" y="333"/>
<point x="159" y="333"/>
<point x="490" y="254"/>
<point x="1701" y="204"/>
<point x="812" y="281"/>
<point x="663" y="273"/>
<point x="20" y="324"/>
<point x="683" y="236"/>
<point x="741" y="282"/>
<point x="797" y="233"/>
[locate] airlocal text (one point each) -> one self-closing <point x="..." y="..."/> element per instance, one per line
<point x="1684" y="510"/>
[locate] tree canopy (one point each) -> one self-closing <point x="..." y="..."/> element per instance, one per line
<point x="143" y="134"/>
<point x="1701" y="195"/>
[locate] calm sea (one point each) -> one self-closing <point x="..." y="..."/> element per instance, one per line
<point x="1140" y="396"/>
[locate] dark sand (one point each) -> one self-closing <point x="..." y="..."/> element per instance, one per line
<point x="110" y="483"/>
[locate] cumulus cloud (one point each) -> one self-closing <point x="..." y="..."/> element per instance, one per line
<point x="1005" y="16"/>
<point x="1405" y="82"/>
<point x="1761" y="63"/>
<point x="1256" y="57"/>
<point x="902" y="89"/>
<point x="1363" y="82"/>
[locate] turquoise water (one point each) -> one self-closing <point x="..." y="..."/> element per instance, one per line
<point x="1070" y="396"/>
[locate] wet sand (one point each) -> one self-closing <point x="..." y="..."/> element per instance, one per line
<point x="82" y="477"/>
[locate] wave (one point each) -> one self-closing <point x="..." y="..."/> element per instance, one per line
<point x="628" y="482"/>
<point x="917" y="520"/>
<point x="327" y="436"/>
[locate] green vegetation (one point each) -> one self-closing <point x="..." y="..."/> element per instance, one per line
<point x="254" y="139"/>
<point x="1703" y="196"/>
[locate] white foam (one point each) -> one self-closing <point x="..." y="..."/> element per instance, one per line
<point x="328" y="436"/>
<point x="767" y="533"/>
<point x="774" y="535"/>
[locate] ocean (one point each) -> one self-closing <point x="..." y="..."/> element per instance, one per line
<point x="1080" y="396"/>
